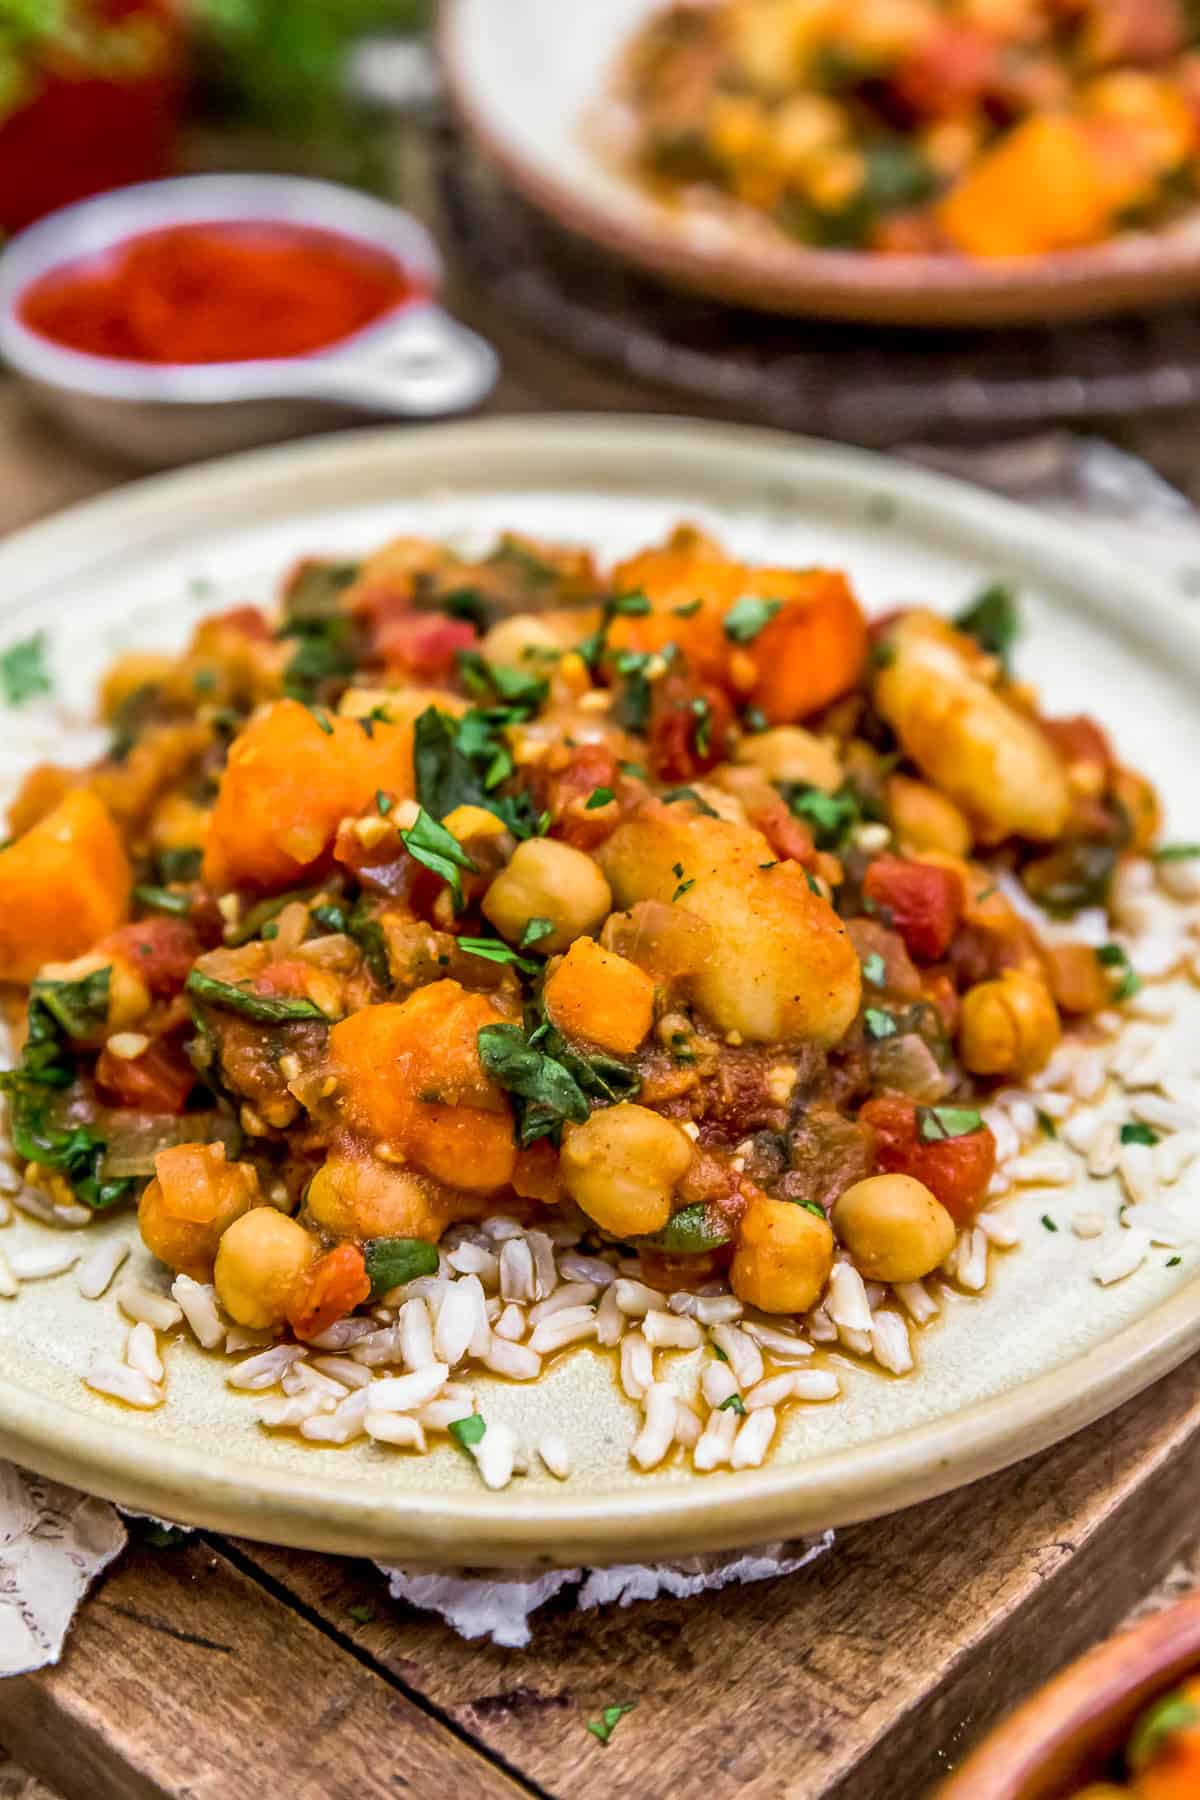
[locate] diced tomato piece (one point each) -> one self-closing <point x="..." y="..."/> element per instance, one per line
<point x="422" y="645"/>
<point x="689" y="728"/>
<point x="284" y="977"/>
<point x="950" y="72"/>
<point x="788" y="836"/>
<point x="955" y="1170"/>
<point x="336" y="1283"/>
<point x="251" y="621"/>
<point x="160" y="1080"/>
<point x="591" y="766"/>
<point x="924" y="903"/>
<point x="161" y="950"/>
<point x="536" y="1174"/>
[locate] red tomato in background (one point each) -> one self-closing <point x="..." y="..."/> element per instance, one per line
<point x="92" y="117"/>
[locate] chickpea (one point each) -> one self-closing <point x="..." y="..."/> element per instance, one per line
<point x="548" y="880"/>
<point x="924" y="819"/>
<point x="783" y="1258"/>
<point x="1008" y="1026"/>
<point x="185" y="1210"/>
<point x="523" y="642"/>
<point x="259" y="1261"/>
<point x="893" y="1228"/>
<point x="622" y="1167"/>
<point x="788" y="753"/>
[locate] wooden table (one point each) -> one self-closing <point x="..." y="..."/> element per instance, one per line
<point x="229" y="1671"/>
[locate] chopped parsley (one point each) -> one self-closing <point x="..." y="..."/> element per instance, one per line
<point x="599" y="796"/>
<point x="693" y="1230"/>
<point x="681" y="1047"/>
<point x="609" y="1719"/>
<point x="879" y="1024"/>
<point x="324" y="723"/>
<point x="812" y="1206"/>
<point x="636" y="770"/>
<point x="462" y="762"/>
<point x="493" y="682"/>
<point x="937" y="1123"/>
<point x="734" y="1404"/>
<point x="993" y="620"/>
<point x="492" y="950"/>
<point x="394" y="1262"/>
<point x="468" y="1432"/>
<point x="1046" y="1124"/>
<point x="1048" y="1222"/>
<point x="535" y="930"/>
<point x="1173" y="1262"/>
<point x="23" y="671"/>
<point x="688" y="610"/>
<point x="746" y="618"/>
<point x="361" y="1613"/>
<point x="831" y="817"/>
<point x="755" y="719"/>
<point x="547" y="1091"/>
<point x="1175" y="852"/>
<point x="383" y="802"/>
<point x="697" y="800"/>
<point x="326" y="653"/>
<point x="1127" y="982"/>
<point x="1137" y="1133"/>
<point x="874" y="968"/>
<point x="330" y="917"/>
<point x="439" y="851"/>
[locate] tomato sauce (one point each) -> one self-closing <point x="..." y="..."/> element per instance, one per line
<point x="217" y="292"/>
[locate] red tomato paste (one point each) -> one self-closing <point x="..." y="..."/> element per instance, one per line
<point x="217" y="292"/>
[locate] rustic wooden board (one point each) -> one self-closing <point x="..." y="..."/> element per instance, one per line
<point x="859" y="1679"/>
<point x="182" y="1677"/>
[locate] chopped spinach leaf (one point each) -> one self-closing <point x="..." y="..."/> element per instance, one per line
<point x="77" y="1008"/>
<point x="547" y="1091"/>
<point x="263" y="1009"/>
<point x="23" y="671"/>
<point x="693" y="1230"/>
<point x="252" y="924"/>
<point x="162" y="900"/>
<point x="439" y="851"/>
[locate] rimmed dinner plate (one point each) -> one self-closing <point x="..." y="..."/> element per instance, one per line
<point x="529" y="78"/>
<point x="1043" y="1352"/>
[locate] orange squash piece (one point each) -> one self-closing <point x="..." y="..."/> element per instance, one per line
<point x="814" y="647"/>
<point x="63" y="885"/>
<point x="601" y="997"/>
<point x="1043" y="188"/>
<point x="292" y="776"/>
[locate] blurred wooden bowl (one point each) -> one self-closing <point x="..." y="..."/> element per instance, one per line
<point x="525" y="77"/>
<point x="1065" y="1735"/>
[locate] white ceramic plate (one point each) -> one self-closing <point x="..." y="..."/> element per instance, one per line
<point x="1044" y="1352"/>
<point x="528" y="78"/>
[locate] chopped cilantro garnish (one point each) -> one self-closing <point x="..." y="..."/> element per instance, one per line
<point x="599" y="796"/>
<point x="263" y="1009"/>
<point x="883" y="654"/>
<point x="831" y="816"/>
<point x="1175" y="852"/>
<point x="384" y="802"/>
<point x="755" y="719"/>
<point x="697" y="800"/>
<point x="746" y="618"/>
<point x="492" y="950"/>
<point x="812" y="1206"/>
<point x="1046" y="1124"/>
<point x="609" y="1719"/>
<point x="879" y="1024"/>
<point x="1048" y="1222"/>
<point x="734" y="1404"/>
<point x="1155" y="1728"/>
<point x="936" y="1123"/>
<point x="875" y="969"/>
<point x="469" y="1431"/>
<point x="323" y="720"/>
<point x="361" y="1613"/>
<point x="1114" y="957"/>
<point x="688" y="610"/>
<point x="681" y="1047"/>
<point x="161" y="899"/>
<point x="993" y="620"/>
<point x="1174" y="1261"/>
<point x="549" y="1091"/>
<point x="534" y="932"/>
<point x="683" y="888"/>
<point x="23" y="671"/>
<point x="693" y="1230"/>
<point x="702" y="733"/>
<point x="330" y="917"/>
<point x="393" y="1262"/>
<point x="1137" y="1133"/>
<point x="439" y="851"/>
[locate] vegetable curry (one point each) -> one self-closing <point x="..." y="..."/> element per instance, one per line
<point x="678" y="894"/>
